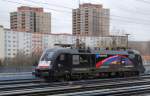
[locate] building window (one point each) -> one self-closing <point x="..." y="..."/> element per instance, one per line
<point x="9" y="49"/>
<point x="9" y="41"/>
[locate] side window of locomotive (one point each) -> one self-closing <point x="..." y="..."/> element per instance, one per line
<point x="75" y="59"/>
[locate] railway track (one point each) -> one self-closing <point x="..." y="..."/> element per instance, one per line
<point x="123" y="91"/>
<point x="26" y="81"/>
<point x="71" y="86"/>
<point x="23" y="81"/>
<point x="62" y="89"/>
<point x="14" y="81"/>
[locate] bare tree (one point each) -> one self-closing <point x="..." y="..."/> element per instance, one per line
<point x="142" y="46"/>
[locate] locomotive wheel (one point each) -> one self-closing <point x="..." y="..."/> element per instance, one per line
<point x="127" y="74"/>
<point x="80" y="77"/>
<point x="61" y="78"/>
<point x="112" y="74"/>
<point x="86" y="76"/>
<point x="136" y="73"/>
<point x="121" y="74"/>
<point x="67" y="77"/>
<point x="49" y="79"/>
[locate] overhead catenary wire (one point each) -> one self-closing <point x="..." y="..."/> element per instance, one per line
<point x="79" y="3"/>
<point x="125" y="8"/>
<point x="144" y="1"/>
<point x="45" y="3"/>
<point x="56" y="10"/>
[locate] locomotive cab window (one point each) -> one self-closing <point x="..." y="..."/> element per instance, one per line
<point x="47" y="56"/>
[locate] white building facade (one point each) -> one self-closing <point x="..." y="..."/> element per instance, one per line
<point x="17" y="42"/>
<point x="13" y="42"/>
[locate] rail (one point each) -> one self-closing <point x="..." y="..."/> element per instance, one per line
<point x="59" y="88"/>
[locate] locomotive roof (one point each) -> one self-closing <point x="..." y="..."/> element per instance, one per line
<point x="111" y="52"/>
<point x="63" y="50"/>
<point x="76" y="51"/>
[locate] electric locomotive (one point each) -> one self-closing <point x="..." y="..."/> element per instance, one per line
<point x="70" y="63"/>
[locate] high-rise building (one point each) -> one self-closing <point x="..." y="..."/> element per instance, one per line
<point x="90" y="20"/>
<point x="30" y="19"/>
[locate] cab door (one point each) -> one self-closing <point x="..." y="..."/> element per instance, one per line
<point x="80" y="63"/>
<point x="63" y="63"/>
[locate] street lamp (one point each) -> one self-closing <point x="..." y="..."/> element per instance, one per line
<point x="127" y="35"/>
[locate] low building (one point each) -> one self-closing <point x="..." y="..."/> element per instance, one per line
<point x="28" y="43"/>
<point x="17" y="43"/>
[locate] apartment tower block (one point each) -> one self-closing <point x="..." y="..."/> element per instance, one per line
<point x="30" y="19"/>
<point x="90" y="20"/>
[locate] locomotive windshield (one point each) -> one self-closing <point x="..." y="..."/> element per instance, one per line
<point x="47" y="56"/>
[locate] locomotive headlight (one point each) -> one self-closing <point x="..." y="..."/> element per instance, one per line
<point x="49" y="64"/>
<point x="44" y="64"/>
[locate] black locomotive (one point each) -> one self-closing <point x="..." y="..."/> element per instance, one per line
<point x="67" y="63"/>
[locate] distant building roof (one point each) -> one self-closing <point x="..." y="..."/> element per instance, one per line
<point x="31" y="9"/>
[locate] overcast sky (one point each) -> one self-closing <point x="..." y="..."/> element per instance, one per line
<point x="127" y="16"/>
